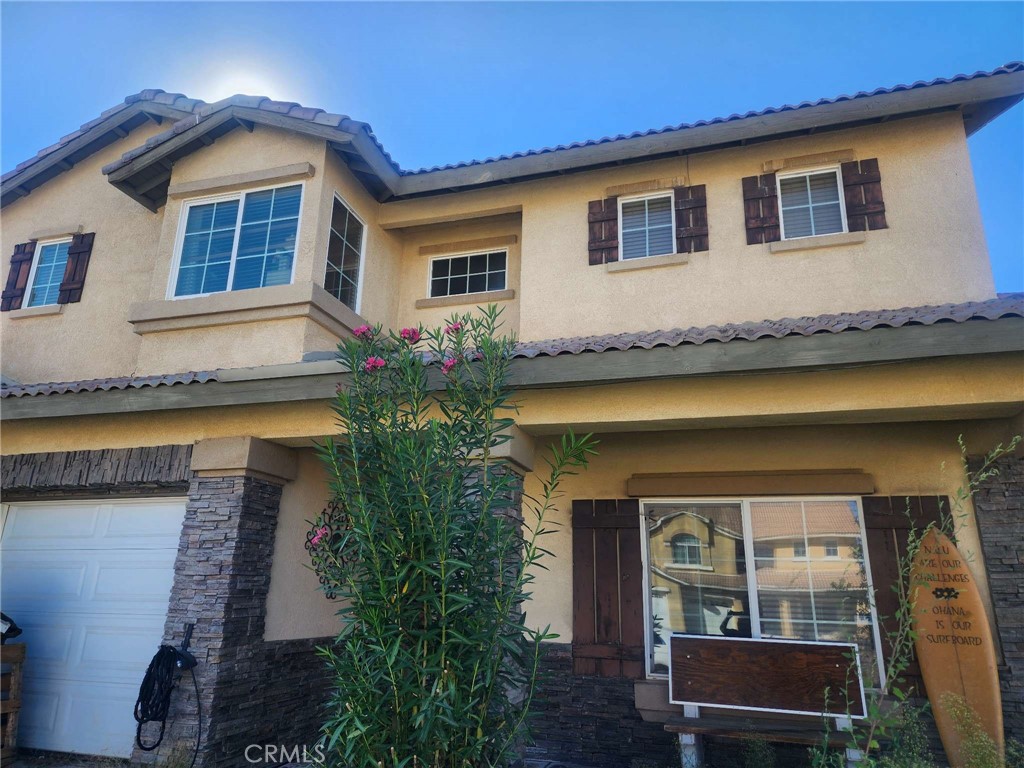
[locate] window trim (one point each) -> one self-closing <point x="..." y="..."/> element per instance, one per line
<point x="37" y="256"/>
<point x="748" y="548"/>
<point x="179" y="238"/>
<point x="811" y="172"/>
<point x="671" y="195"/>
<point x="457" y="254"/>
<point x="362" y="248"/>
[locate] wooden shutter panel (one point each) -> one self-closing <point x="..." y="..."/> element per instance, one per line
<point x="17" y="278"/>
<point x="607" y="589"/>
<point x="78" y="264"/>
<point x="761" y="209"/>
<point x="862" y="188"/>
<point x="691" y="205"/>
<point x="603" y="226"/>
<point x="886" y="525"/>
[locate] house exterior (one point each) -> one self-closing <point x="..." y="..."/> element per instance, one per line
<point x="777" y="324"/>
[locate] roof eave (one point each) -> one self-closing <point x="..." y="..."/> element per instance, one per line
<point x="146" y="176"/>
<point x="315" y="381"/>
<point x="115" y="127"/>
<point x="980" y="100"/>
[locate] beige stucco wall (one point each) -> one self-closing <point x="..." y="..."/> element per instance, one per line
<point x="910" y="459"/>
<point x="90" y="338"/>
<point x="933" y="251"/>
<point x="416" y="269"/>
<point x="295" y="605"/>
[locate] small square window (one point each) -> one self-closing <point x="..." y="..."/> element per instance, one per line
<point x="831" y="548"/>
<point x="811" y="204"/>
<point x="646" y="227"/>
<point x="799" y="548"/>
<point x="473" y="273"/>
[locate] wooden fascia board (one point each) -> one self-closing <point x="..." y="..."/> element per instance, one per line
<point x="837" y="113"/>
<point x="823" y="351"/>
<point x="59" y="157"/>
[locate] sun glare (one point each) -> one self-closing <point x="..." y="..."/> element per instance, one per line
<point x="249" y="82"/>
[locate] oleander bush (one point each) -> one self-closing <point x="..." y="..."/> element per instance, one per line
<point x="435" y="663"/>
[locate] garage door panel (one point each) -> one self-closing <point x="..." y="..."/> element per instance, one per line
<point x="40" y="526"/>
<point x="29" y="581"/>
<point x="77" y="717"/>
<point x="93" y="611"/>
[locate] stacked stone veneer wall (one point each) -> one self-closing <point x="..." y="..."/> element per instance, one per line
<point x="592" y="721"/>
<point x="252" y="691"/>
<point x="999" y="505"/>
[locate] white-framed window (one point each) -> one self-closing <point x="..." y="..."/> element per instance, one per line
<point x="47" y="273"/>
<point x="811" y="203"/>
<point x="238" y="241"/>
<point x="749" y="585"/>
<point x="345" y="254"/>
<point x="686" y="549"/>
<point x="646" y="226"/>
<point x="800" y="549"/>
<point x="468" y="273"/>
<point x="831" y="548"/>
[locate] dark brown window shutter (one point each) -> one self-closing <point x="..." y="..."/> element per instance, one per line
<point x="607" y="589"/>
<point x="78" y="264"/>
<point x="862" y="188"/>
<point x="887" y="524"/>
<point x="17" y="278"/>
<point x="691" y="205"/>
<point x="761" y="209"/>
<point x="603" y="225"/>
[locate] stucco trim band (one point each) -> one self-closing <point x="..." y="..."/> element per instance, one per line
<point x="231" y="456"/>
<point x="648" y="262"/>
<point x="768" y="483"/>
<point x="306" y="300"/>
<point x="52" y="233"/>
<point x="820" y="241"/>
<point x="45" y="311"/>
<point x="460" y="246"/>
<point x="466" y="298"/>
<point x="291" y="172"/>
<point x="809" y="161"/>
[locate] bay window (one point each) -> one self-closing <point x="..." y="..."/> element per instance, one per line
<point x="234" y="242"/>
<point x="770" y="568"/>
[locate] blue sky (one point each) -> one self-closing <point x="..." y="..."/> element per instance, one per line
<point x="443" y="82"/>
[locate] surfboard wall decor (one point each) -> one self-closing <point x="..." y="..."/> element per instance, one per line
<point x="954" y="641"/>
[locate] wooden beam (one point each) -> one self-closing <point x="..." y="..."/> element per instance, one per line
<point x="156" y="181"/>
<point x="158" y="119"/>
<point x="119" y="131"/>
<point x="205" y="138"/>
<point x="247" y="124"/>
<point x="145" y="202"/>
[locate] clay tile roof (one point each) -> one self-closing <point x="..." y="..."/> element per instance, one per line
<point x="94" y="385"/>
<point x="1005" y="305"/>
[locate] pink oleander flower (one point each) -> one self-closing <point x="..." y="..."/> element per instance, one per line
<point x="362" y="332"/>
<point x="373" y="363"/>
<point x="410" y="335"/>
<point x="453" y="328"/>
<point x="447" y="365"/>
<point x="319" y="535"/>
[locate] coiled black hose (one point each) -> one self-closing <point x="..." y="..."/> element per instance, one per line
<point x="154" y="702"/>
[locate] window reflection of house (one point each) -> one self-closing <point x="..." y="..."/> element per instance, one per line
<point x="809" y="579"/>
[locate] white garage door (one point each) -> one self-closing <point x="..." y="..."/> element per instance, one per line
<point x="89" y="583"/>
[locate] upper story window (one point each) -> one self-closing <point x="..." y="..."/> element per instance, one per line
<point x="47" y="273"/>
<point x="646" y="227"/>
<point x="344" y="254"/>
<point x="472" y="273"/>
<point x="811" y="204"/>
<point x="238" y="241"/>
<point x="686" y="549"/>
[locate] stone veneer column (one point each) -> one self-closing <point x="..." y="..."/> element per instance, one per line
<point x="251" y="691"/>
<point x="999" y="506"/>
